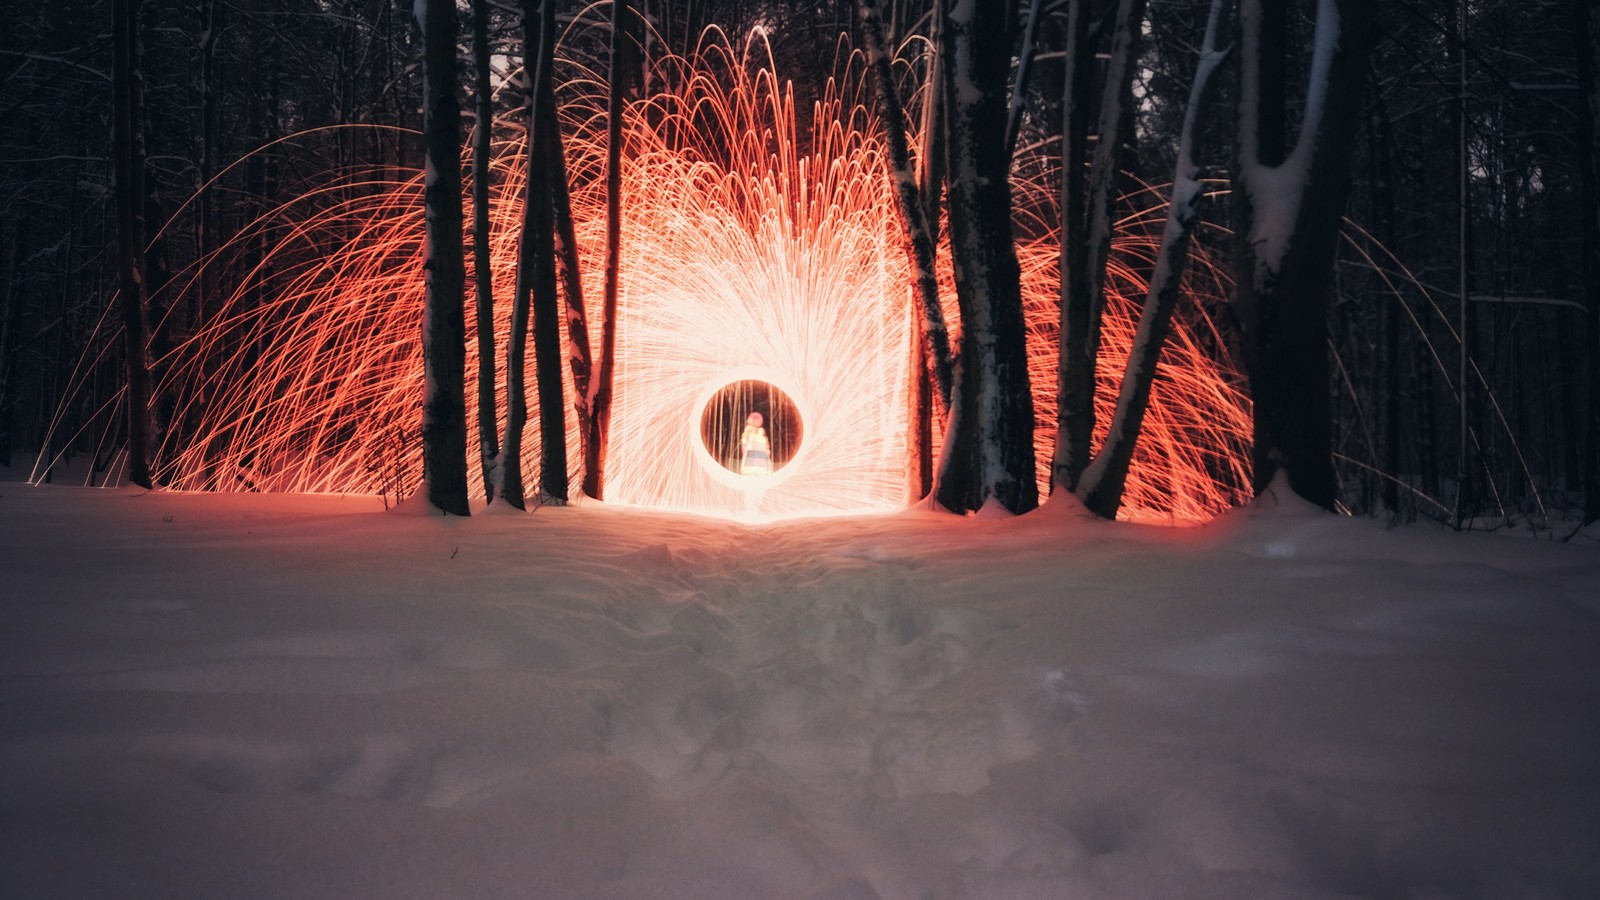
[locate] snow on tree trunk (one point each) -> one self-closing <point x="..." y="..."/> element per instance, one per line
<point x="488" y="437"/>
<point x="1289" y="228"/>
<point x="1083" y="278"/>
<point x="444" y="351"/>
<point x="128" y="160"/>
<point x="989" y="443"/>
<point x="539" y="242"/>
<point x="1102" y="483"/>
<point x="919" y="240"/>
<point x="1586" y="30"/>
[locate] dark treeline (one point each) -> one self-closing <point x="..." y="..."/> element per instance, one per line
<point x="1436" y="356"/>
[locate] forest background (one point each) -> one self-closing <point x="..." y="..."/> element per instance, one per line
<point x="1467" y="188"/>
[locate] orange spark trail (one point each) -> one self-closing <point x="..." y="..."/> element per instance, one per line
<point x="754" y="249"/>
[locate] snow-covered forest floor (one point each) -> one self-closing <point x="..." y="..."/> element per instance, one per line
<point x="309" y="697"/>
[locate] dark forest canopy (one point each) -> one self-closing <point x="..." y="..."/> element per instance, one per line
<point x="1469" y="170"/>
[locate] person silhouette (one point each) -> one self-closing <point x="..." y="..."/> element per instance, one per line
<point x="756" y="449"/>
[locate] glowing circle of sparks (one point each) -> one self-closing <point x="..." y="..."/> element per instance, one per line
<point x="717" y="469"/>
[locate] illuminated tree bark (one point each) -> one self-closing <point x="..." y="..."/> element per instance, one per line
<point x="988" y="449"/>
<point x="1102" y="482"/>
<point x="444" y="425"/>
<point x="482" y="268"/>
<point x="128" y="159"/>
<point x="1289" y="226"/>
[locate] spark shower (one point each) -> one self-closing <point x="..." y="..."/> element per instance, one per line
<point x="755" y="248"/>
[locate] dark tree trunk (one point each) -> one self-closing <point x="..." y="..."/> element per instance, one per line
<point x="538" y="242"/>
<point x="1102" y="483"/>
<point x="444" y="351"/>
<point x="1586" y="28"/>
<point x="1283" y="287"/>
<point x="1025" y="63"/>
<point x="1080" y="347"/>
<point x="930" y="187"/>
<point x="1380" y="158"/>
<point x="596" y="443"/>
<point x="919" y="240"/>
<point x="128" y="160"/>
<point x="579" y="360"/>
<point x="10" y="316"/>
<point x="482" y="264"/>
<point x="1074" y="376"/>
<point x="989" y="441"/>
<point x="205" y="236"/>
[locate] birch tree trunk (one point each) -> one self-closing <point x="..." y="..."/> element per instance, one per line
<point x="1102" y="483"/>
<point x="444" y="425"/>
<point x="1288" y="231"/>
<point x="482" y="264"/>
<point x="989" y="441"/>
<point x="128" y="161"/>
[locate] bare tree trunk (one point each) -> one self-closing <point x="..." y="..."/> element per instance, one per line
<point x="989" y="441"/>
<point x="566" y="252"/>
<point x="205" y="228"/>
<point x="128" y="159"/>
<point x="596" y="443"/>
<point x="1466" y="500"/>
<point x="534" y="196"/>
<point x="1586" y="29"/>
<point x="1102" y="483"/>
<point x="1081" y="340"/>
<point x="1074" y="376"/>
<point x="1019" y="89"/>
<point x="1380" y="130"/>
<point x="930" y="187"/>
<point x="932" y="164"/>
<point x="482" y="264"/>
<point x="10" y="314"/>
<point x="1288" y="238"/>
<point x="539" y="242"/>
<point x="919" y="242"/>
<point x="444" y="425"/>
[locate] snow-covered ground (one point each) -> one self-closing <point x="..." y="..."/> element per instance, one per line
<point x="308" y="697"/>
